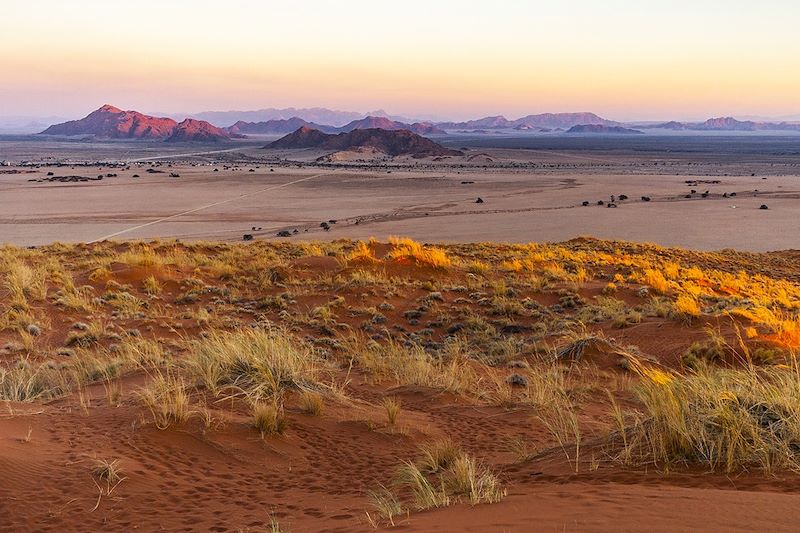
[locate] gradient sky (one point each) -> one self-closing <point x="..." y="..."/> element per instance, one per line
<point x="625" y="59"/>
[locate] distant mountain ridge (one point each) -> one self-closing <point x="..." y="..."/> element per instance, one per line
<point x="276" y="126"/>
<point x="725" y="124"/>
<point x="540" y="121"/>
<point x="319" y="115"/>
<point x="390" y="142"/>
<point x="384" y="123"/>
<point x="109" y="122"/>
<point x="600" y="128"/>
<point x="283" y="127"/>
<point x="313" y="115"/>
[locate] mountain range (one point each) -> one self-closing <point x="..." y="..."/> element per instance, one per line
<point x="725" y="124"/>
<point x="533" y="122"/>
<point x="284" y="126"/>
<point x="110" y="122"/>
<point x="318" y="115"/>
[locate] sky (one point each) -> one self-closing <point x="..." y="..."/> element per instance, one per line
<point x="623" y="59"/>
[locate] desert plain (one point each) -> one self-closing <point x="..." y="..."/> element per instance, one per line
<point x="530" y="193"/>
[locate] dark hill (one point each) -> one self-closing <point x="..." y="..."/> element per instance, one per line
<point x="390" y="142"/>
<point x="599" y="128"/>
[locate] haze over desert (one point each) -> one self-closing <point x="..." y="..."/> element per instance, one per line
<point x="358" y="266"/>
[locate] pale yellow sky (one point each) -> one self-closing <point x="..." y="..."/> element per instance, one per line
<point x="624" y="59"/>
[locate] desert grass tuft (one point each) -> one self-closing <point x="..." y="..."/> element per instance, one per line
<point x="167" y="399"/>
<point x="108" y="471"/>
<point x="392" y="406"/>
<point x="312" y="403"/>
<point x="261" y="363"/>
<point x="386" y="504"/>
<point x="269" y="419"/>
<point x="723" y="419"/>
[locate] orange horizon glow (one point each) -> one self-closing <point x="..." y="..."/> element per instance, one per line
<point x="666" y="60"/>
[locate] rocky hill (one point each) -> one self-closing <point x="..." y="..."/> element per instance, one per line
<point x="191" y="130"/>
<point x="110" y="122"/>
<point x="390" y="142"/>
<point x="599" y="128"/>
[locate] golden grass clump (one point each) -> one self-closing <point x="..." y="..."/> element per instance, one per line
<point x="26" y="382"/>
<point x="269" y="419"/>
<point x="438" y="456"/>
<point x="445" y="475"/>
<point x="656" y="280"/>
<point x="451" y="372"/>
<point x="312" y="403"/>
<point x="363" y="253"/>
<point x="258" y="363"/>
<point x="687" y="306"/>
<point x="167" y="398"/>
<point x="386" y="504"/>
<point x="722" y="419"/>
<point x="479" y="268"/>
<point x="405" y="250"/>
<point x="392" y="406"/>
<point x="151" y="286"/>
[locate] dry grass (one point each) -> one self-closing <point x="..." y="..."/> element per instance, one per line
<point x="414" y="366"/>
<point x="426" y="494"/>
<point x="362" y="254"/>
<point x="386" y="504"/>
<point x="269" y="419"/>
<point x="167" y="399"/>
<point x="392" y="407"/>
<point x="446" y="475"/>
<point x="722" y="419"/>
<point x="405" y="250"/>
<point x="108" y="471"/>
<point x="438" y="456"/>
<point x="259" y="363"/>
<point x="312" y="403"/>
